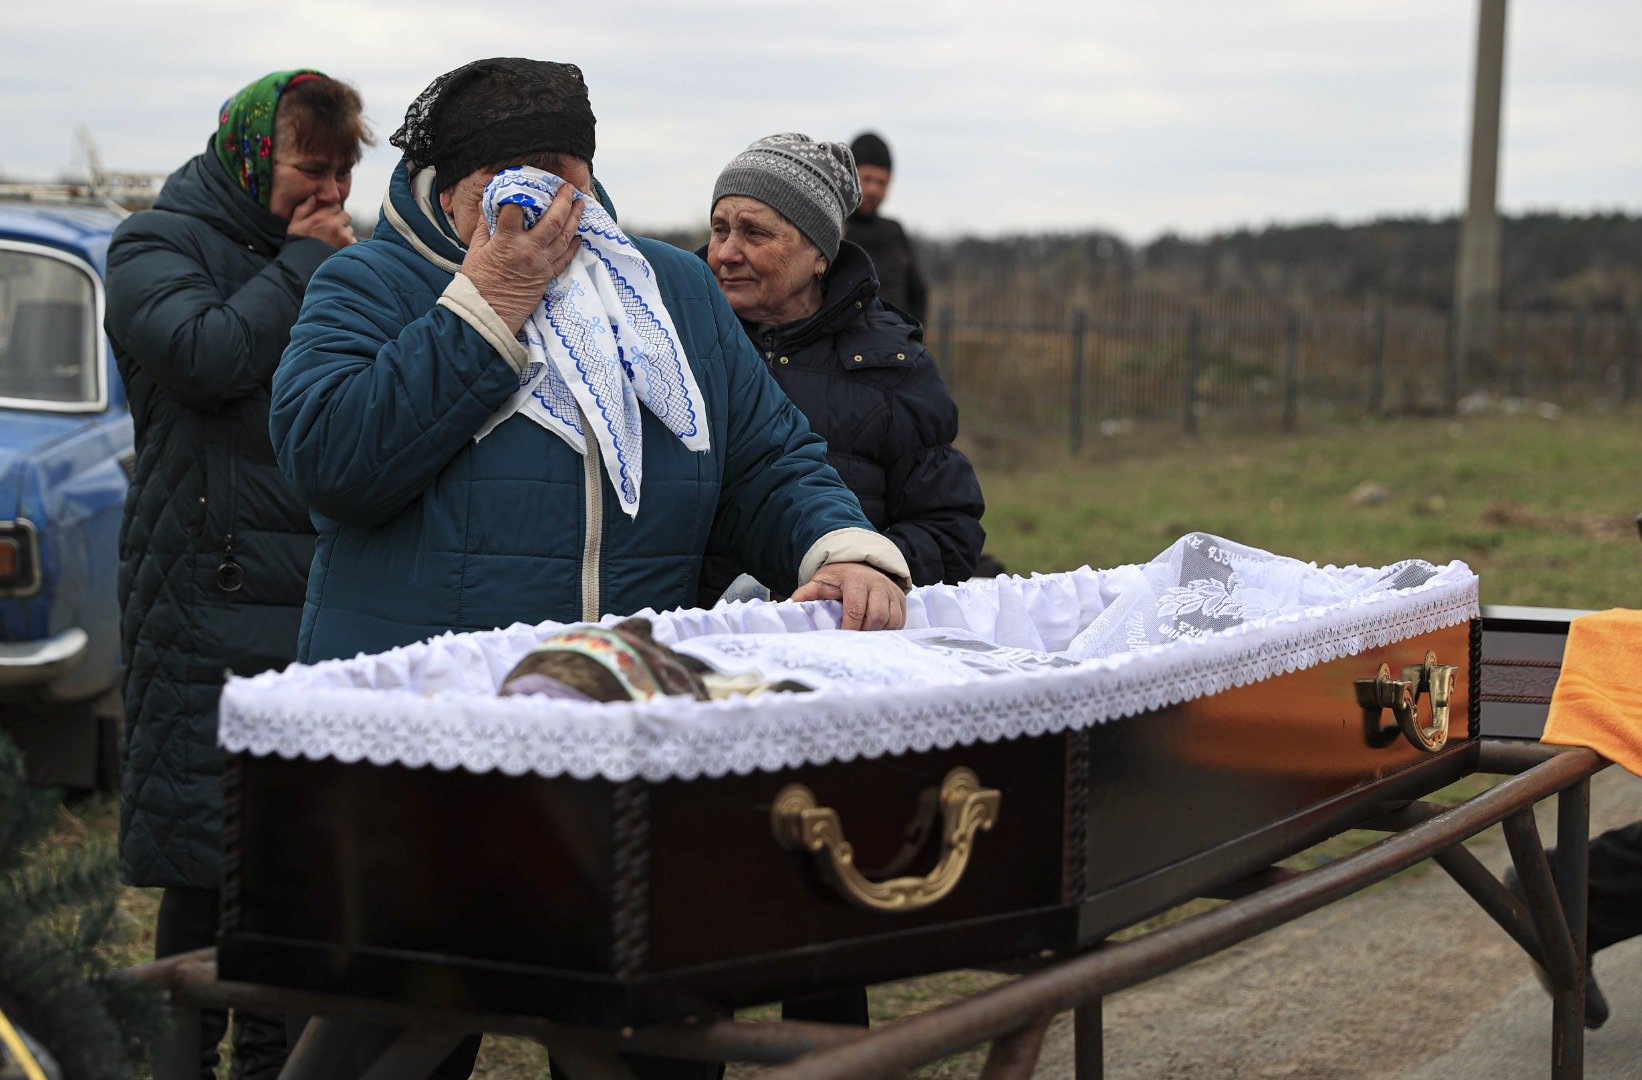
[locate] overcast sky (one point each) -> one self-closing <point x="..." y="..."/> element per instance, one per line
<point x="1138" y="117"/>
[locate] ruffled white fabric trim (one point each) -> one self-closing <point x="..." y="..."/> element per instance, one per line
<point x="434" y="703"/>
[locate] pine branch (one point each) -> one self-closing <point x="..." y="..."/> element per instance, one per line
<point x="25" y="813"/>
<point x="65" y="880"/>
<point x="51" y="998"/>
<point x="58" y="910"/>
<point x="92" y="934"/>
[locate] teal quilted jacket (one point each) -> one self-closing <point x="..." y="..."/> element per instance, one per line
<point x="422" y="530"/>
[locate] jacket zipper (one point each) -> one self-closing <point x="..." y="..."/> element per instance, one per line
<point x="593" y="535"/>
<point x="230" y="575"/>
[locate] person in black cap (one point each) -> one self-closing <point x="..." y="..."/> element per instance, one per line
<point x="883" y="238"/>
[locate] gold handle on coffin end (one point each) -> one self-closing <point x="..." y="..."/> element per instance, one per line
<point x="1402" y="696"/>
<point x="799" y="824"/>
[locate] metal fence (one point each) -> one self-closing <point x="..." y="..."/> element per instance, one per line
<point x="1138" y="358"/>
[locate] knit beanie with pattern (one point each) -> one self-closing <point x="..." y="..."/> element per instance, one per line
<point x="811" y="184"/>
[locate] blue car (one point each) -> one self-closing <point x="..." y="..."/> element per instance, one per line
<point x="65" y="451"/>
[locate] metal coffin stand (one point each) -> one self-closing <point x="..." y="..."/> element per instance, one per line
<point x="1245" y="809"/>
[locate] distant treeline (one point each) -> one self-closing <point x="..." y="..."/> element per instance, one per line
<point x="1551" y="262"/>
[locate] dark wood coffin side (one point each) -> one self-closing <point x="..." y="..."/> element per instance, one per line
<point x="434" y="980"/>
<point x="1186" y="799"/>
<point x="1521" y="659"/>
<point x="721" y="886"/>
<point x="616" y="903"/>
<point x="511" y="869"/>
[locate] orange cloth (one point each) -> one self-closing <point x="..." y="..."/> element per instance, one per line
<point x="1598" y="697"/>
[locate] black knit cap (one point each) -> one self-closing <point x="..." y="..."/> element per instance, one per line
<point x="493" y="111"/>
<point x="870" y="149"/>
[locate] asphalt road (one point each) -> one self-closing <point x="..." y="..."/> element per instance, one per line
<point x="1409" y="981"/>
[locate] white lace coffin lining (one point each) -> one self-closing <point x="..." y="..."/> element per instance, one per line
<point x="1078" y="648"/>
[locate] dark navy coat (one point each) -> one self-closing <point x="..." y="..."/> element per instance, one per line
<point x="215" y="546"/>
<point x="859" y="371"/>
<point x="887" y="245"/>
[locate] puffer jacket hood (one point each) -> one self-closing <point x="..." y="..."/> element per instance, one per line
<point x="858" y="369"/>
<point x="850" y="285"/>
<point x="202" y="190"/>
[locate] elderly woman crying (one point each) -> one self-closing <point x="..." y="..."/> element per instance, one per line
<point x="855" y="366"/>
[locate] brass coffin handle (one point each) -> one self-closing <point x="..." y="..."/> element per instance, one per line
<point x="966" y="807"/>
<point x="1402" y="696"/>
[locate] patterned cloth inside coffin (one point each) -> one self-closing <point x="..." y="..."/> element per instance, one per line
<point x="624" y="663"/>
<point x="1201" y="585"/>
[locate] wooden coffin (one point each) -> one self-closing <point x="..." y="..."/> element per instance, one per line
<point x="621" y="902"/>
<point x="1522" y="657"/>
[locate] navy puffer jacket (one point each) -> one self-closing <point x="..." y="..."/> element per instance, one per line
<point x="423" y="530"/>
<point x="859" y="371"/>
<point x="202" y="292"/>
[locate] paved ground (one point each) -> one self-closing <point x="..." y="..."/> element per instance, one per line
<point x="1410" y="981"/>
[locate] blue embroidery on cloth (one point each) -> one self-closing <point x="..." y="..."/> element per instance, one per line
<point x="601" y="344"/>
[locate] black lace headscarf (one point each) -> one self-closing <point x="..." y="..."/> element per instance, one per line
<point x="493" y="111"/>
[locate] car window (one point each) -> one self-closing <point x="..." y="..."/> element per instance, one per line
<point x="48" y="330"/>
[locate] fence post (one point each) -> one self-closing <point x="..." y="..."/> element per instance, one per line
<point x="1291" y="371"/>
<point x="1519" y="365"/>
<point x="1376" y="370"/>
<point x="948" y="355"/>
<point x="1189" y="388"/>
<point x="1579" y="348"/>
<point x="1627" y="385"/>
<point x="1451" y="368"/>
<point x="1075" y="418"/>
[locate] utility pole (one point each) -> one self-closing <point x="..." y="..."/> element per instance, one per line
<point x="1476" y="278"/>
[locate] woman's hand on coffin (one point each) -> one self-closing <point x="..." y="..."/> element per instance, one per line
<point x="871" y="600"/>
<point x="513" y="266"/>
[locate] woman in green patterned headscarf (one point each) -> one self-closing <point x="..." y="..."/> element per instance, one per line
<point x="245" y="131"/>
<point x="215" y="546"/>
<point x="291" y="136"/>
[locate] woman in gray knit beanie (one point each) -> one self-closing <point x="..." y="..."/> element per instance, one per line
<point x="854" y="365"/>
<point x="778" y="218"/>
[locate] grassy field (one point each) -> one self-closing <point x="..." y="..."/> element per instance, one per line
<point x="1541" y="509"/>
